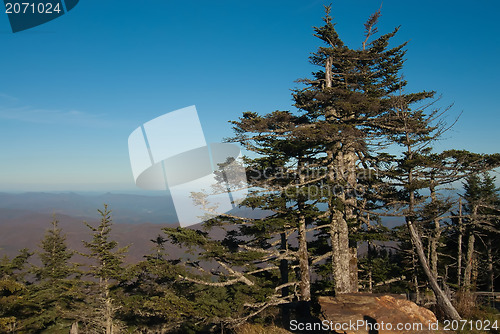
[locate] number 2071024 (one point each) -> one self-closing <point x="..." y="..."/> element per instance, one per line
<point x="32" y="8"/>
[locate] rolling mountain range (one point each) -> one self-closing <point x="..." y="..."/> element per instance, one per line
<point x="24" y="218"/>
<point x="137" y="220"/>
<point x="126" y="208"/>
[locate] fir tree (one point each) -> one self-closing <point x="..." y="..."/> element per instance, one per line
<point x="483" y="211"/>
<point x="55" y="255"/>
<point x="107" y="267"/>
<point x="55" y="292"/>
<point x="152" y="298"/>
<point x="352" y="89"/>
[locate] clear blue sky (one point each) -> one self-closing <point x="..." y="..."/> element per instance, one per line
<point x="73" y="90"/>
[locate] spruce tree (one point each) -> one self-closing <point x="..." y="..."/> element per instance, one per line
<point x="107" y="267"/>
<point x="286" y="175"/>
<point x="55" y="255"/>
<point x="327" y="144"/>
<point x="343" y="100"/>
<point x="414" y="129"/>
<point x="483" y="223"/>
<point x="55" y="292"/>
<point x="151" y="296"/>
<point x="225" y="270"/>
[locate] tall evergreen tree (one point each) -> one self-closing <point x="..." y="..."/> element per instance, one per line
<point x="483" y="223"/>
<point x="352" y="89"/>
<point x="55" y="255"/>
<point x="55" y="292"/>
<point x="286" y="174"/>
<point x="414" y="130"/>
<point x="152" y="297"/>
<point x="107" y="267"/>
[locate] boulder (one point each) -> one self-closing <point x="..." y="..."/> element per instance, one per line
<point x="360" y="313"/>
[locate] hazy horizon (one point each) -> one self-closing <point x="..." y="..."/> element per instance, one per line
<point x="66" y="111"/>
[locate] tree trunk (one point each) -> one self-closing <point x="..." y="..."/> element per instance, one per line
<point x="353" y="269"/>
<point x="74" y="328"/>
<point x="339" y="231"/>
<point x="434" y="251"/>
<point x="415" y="276"/>
<point x="303" y="253"/>
<point x="491" y="274"/>
<point x="305" y="280"/>
<point x="443" y="302"/>
<point x="328" y="72"/>
<point x="350" y="204"/>
<point x="285" y="310"/>
<point x="344" y="257"/>
<point x="370" y="280"/>
<point x="460" y="238"/>
<point x="475" y="271"/>
<point x="108" y="309"/>
<point x="340" y="254"/>
<point x="341" y="168"/>
<point x="436" y="235"/>
<point x="470" y="262"/>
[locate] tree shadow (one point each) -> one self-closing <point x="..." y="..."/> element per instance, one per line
<point x="302" y="311"/>
<point x="371" y="324"/>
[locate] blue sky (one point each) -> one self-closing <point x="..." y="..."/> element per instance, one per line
<point x="73" y="90"/>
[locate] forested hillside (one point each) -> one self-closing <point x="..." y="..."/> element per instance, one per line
<point x="355" y="148"/>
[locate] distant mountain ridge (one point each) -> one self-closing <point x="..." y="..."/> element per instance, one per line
<point x="131" y="209"/>
<point x="27" y="231"/>
<point x="137" y="219"/>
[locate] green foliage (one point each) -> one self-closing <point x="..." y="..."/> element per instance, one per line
<point x="51" y="300"/>
<point x="379" y="266"/>
<point x="54" y="255"/>
<point x="483" y="207"/>
<point x="13" y="291"/>
<point x="108" y="259"/>
<point x="99" y="310"/>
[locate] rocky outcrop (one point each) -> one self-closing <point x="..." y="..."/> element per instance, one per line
<point x="376" y="314"/>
